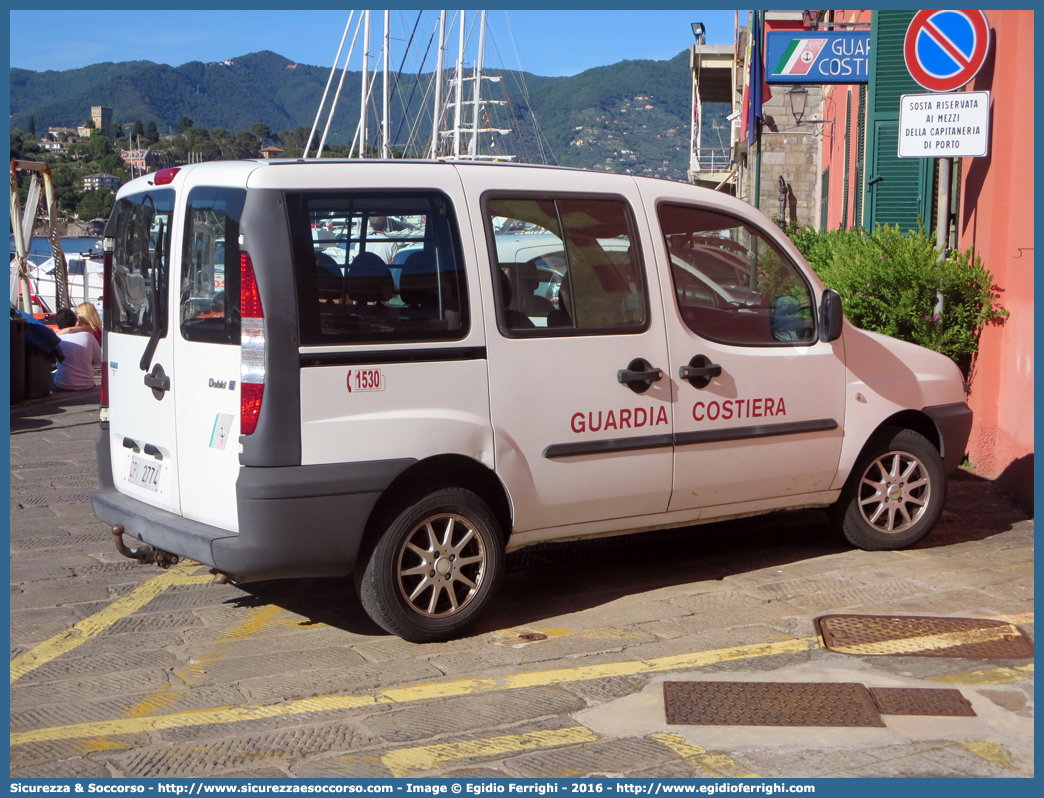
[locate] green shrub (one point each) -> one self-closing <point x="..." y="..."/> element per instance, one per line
<point x="889" y="283"/>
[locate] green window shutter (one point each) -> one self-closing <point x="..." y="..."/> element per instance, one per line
<point x="898" y="198"/>
<point x="826" y="197"/>
<point x="860" y="156"/>
<point x="898" y="191"/>
<point x="848" y="139"/>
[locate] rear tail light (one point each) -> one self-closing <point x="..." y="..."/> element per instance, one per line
<point x="252" y="348"/>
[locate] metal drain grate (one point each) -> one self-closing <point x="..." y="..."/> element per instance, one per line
<point x="921" y="701"/>
<point x="908" y="636"/>
<point x="769" y="704"/>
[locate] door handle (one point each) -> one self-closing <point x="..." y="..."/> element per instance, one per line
<point x="700" y="371"/>
<point x="158" y="381"/>
<point x="639" y="375"/>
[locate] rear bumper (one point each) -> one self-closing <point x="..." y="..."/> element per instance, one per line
<point x="954" y="422"/>
<point x="294" y="521"/>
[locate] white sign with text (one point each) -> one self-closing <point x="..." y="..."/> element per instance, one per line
<point x="955" y="125"/>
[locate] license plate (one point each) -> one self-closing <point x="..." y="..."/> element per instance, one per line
<point x="145" y="473"/>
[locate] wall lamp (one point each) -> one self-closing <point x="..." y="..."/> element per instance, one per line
<point x="798" y="102"/>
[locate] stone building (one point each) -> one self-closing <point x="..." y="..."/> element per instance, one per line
<point x="787" y="146"/>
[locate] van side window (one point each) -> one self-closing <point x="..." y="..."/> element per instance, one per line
<point x="565" y="266"/>
<point x="210" y="266"/>
<point x="140" y="225"/>
<point x="377" y="267"/>
<point x="732" y="283"/>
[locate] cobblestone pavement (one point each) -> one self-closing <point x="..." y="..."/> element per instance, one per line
<point x="121" y="669"/>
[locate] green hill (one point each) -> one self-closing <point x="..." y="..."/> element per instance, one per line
<point x="631" y="116"/>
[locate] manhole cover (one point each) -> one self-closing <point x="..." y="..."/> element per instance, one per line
<point x="769" y="704"/>
<point x="921" y="701"/>
<point x="913" y="636"/>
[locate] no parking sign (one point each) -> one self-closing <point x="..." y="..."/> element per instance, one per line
<point x="945" y="49"/>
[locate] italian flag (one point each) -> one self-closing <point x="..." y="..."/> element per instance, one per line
<point x="799" y="56"/>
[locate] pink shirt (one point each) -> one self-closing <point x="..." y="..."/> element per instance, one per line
<point x="82" y="353"/>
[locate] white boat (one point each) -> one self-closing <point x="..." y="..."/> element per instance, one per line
<point x="86" y="280"/>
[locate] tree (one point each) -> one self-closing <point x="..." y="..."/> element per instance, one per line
<point x="99" y="146"/>
<point x="138" y="130"/>
<point x="244" y="145"/>
<point x="261" y="131"/>
<point x="209" y="150"/>
<point x="96" y="204"/>
<point x="152" y="134"/>
<point x="184" y="124"/>
<point x="32" y="126"/>
<point x="89" y="124"/>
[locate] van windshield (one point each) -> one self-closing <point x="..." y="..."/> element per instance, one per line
<point x="136" y="299"/>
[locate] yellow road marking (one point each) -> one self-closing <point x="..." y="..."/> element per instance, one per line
<point x="83" y="631"/>
<point x="540" y="678"/>
<point x="932" y="642"/>
<point x="716" y="765"/>
<point x="201" y="717"/>
<point x="992" y="676"/>
<point x="406" y="761"/>
<point x="990" y="750"/>
<point x="164" y="697"/>
<point x="425" y="691"/>
<point x="407" y="694"/>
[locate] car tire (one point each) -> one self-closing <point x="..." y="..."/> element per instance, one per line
<point x="895" y="493"/>
<point x="435" y="569"/>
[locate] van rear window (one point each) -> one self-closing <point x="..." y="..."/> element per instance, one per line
<point x="136" y="301"/>
<point x="210" y="266"/>
<point x="377" y="267"/>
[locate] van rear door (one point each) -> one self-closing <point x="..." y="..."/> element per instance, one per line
<point x="207" y="348"/>
<point x="140" y="349"/>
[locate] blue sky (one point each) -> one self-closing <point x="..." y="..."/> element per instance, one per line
<point x="542" y="42"/>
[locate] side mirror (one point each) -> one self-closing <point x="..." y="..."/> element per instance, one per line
<point x="831" y="315"/>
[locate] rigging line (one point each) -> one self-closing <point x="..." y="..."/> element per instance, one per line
<point x="520" y="81"/>
<point x="329" y="80"/>
<point x="415" y="123"/>
<point x="398" y="75"/>
<point x="420" y="69"/>
<point x="507" y="96"/>
<point x="340" y="85"/>
<point x="359" y="133"/>
<point x="541" y="138"/>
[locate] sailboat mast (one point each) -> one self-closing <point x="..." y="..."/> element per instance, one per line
<point x="477" y="91"/>
<point x="460" y="90"/>
<point x="385" y="143"/>
<point x="365" y="85"/>
<point x="436" y="124"/>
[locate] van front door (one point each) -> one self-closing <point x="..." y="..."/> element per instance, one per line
<point x="760" y="402"/>
<point x="140" y="351"/>
<point x="579" y="393"/>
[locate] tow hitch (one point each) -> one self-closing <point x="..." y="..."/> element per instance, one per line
<point x="144" y="553"/>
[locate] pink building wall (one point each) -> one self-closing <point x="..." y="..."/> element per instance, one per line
<point x="835" y="99"/>
<point x="996" y="219"/>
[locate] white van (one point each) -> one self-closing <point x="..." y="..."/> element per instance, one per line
<point x="278" y="404"/>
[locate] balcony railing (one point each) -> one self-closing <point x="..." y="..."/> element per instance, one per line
<point x="711" y="159"/>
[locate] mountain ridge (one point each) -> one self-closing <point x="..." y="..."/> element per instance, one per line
<point x="629" y="116"/>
